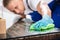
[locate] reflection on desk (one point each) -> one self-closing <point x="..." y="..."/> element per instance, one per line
<point x="19" y="29"/>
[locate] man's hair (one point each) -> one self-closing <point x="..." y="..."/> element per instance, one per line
<point x="6" y="2"/>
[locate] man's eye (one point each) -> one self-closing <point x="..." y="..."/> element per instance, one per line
<point x="15" y="7"/>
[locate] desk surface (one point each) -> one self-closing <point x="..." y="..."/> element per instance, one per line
<point x="19" y="29"/>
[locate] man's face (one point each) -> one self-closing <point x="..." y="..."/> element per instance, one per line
<point x="16" y="6"/>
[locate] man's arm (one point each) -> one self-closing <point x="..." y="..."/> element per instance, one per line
<point x="45" y="5"/>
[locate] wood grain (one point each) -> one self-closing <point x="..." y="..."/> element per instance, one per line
<point x="19" y="30"/>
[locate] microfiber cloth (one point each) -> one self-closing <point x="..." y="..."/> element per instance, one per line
<point x="45" y="23"/>
<point x="42" y="28"/>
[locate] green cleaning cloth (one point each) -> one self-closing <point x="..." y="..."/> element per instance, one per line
<point x="42" y="28"/>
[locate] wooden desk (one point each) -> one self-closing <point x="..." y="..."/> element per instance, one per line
<point x="2" y="28"/>
<point x="19" y="31"/>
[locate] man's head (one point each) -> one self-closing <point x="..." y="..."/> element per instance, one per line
<point x="16" y="6"/>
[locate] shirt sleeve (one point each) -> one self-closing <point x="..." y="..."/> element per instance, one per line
<point x="34" y="3"/>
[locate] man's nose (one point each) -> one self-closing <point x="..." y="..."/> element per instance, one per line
<point x="17" y="11"/>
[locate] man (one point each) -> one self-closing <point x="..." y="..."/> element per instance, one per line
<point x="35" y="10"/>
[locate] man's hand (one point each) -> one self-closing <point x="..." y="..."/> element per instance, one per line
<point x="43" y="22"/>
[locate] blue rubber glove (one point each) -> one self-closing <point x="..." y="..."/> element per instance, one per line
<point x="43" y="22"/>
